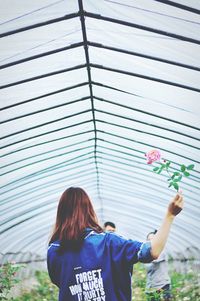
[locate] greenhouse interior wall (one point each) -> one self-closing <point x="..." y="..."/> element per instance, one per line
<point x="87" y="90"/>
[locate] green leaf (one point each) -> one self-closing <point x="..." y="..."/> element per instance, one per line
<point x="168" y="164"/>
<point x="186" y="174"/>
<point x="156" y="168"/>
<point x="190" y="167"/>
<point x="170" y="184"/>
<point x="183" y="167"/>
<point x="160" y="169"/>
<point x="176" y="173"/>
<point x="175" y="185"/>
<point x="178" y="179"/>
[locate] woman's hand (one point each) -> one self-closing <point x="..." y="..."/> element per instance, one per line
<point x="176" y="205"/>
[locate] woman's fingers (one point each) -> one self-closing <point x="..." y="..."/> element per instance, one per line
<point x="176" y="205"/>
<point x="178" y="198"/>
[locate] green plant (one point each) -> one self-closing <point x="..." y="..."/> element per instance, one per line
<point x="138" y="282"/>
<point x="173" y="178"/>
<point x="184" y="287"/>
<point x="43" y="291"/>
<point x="8" y="278"/>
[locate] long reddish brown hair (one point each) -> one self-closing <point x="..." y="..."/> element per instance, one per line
<point x="75" y="213"/>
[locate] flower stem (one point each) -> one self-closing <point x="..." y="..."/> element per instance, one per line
<point x="169" y="173"/>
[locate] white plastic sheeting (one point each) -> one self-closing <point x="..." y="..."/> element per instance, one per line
<point x="87" y="88"/>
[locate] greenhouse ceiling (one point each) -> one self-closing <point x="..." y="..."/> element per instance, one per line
<point x="87" y="88"/>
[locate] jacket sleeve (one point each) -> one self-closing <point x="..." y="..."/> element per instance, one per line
<point x="130" y="251"/>
<point x="144" y="254"/>
<point x="52" y="265"/>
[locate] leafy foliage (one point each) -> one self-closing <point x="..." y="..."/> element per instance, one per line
<point x="44" y="291"/>
<point x="8" y="278"/>
<point x="184" y="287"/>
<point x="175" y="177"/>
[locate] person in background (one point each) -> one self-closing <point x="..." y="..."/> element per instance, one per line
<point x="158" y="279"/>
<point x="109" y="227"/>
<point x="87" y="263"/>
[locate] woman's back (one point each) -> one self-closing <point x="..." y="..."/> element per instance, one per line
<point x="99" y="271"/>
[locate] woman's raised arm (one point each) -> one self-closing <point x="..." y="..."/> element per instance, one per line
<point x="159" y="240"/>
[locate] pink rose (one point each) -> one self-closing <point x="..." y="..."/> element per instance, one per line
<point x="153" y="156"/>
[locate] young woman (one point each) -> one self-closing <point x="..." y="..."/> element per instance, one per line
<point x="88" y="264"/>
